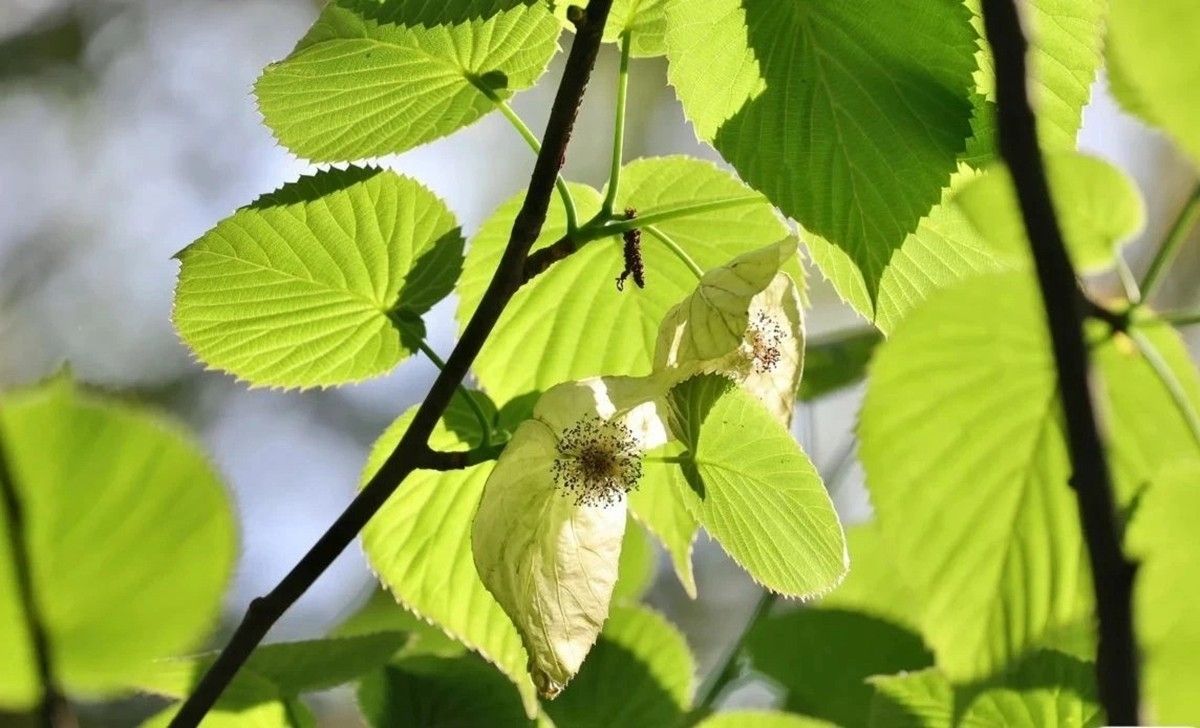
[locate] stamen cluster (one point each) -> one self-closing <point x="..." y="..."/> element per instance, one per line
<point x="764" y="338"/>
<point x="599" y="461"/>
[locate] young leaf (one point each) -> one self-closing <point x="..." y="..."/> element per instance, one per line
<point x="755" y="492"/>
<point x="922" y="699"/>
<point x="849" y="116"/>
<point x="128" y="532"/>
<point x="547" y="333"/>
<point x="1097" y="205"/>
<point x="547" y="535"/>
<point x="376" y="77"/>
<point x="463" y="692"/>
<point x="1065" y="37"/>
<point x="1150" y="47"/>
<point x="745" y="321"/>
<point x="320" y="283"/>
<point x="642" y="656"/>
<point x="761" y="719"/>
<point x="659" y="503"/>
<point x="1163" y="537"/>
<point x="420" y="546"/>
<point x="944" y="249"/>
<point x="841" y="649"/>
<point x="967" y="468"/>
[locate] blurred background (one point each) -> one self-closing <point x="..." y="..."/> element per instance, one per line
<point x="127" y="129"/>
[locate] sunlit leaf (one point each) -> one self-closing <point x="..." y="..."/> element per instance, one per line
<point x="758" y="495"/>
<point x="849" y="116"/>
<point x="922" y="699"/>
<point x="645" y="21"/>
<point x="637" y="565"/>
<point x="761" y="719"/>
<point x="375" y="77"/>
<point x="320" y="283"/>
<point x="129" y="535"/>
<point x="659" y="503"/>
<point x="550" y="332"/>
<point x="1048" y="690"/>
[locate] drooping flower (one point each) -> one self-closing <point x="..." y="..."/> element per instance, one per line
<point x="547" y="535"/>
<point x="745" y="321"/>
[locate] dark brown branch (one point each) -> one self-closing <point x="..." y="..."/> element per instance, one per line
<point x="1112" y="573"/>
<point x="413" y="451"/>
<point x="53" y="710"/>
<point x="539" y="261"/>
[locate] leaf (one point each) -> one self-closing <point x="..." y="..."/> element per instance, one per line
<point x="1065" y="37"/>
<point x="420" y="546"/>
<point x="644" y="20"/>
<point x="1148" y="47"/>
<point x="269" y="714"/>
<point x="755" y="492"/>
<point x="532" y="351"/>
<point x="129" y="536"/>
<point x="659" y="504"/>
<point x="849" y="116"/>
<point x="921" y="699"/>
<point x="1098" y="208"/>
<point x="1049" y="690"/>
<point x="636" y="567"/>
<point x="837" y="362"/>
<point x="827" y="677"/>
<point x="944" y="249"/>
<point x="463" y="692"/>
<point x="761" y="719"/>
<point x="874" y="586"/>
<point x="375" y="77"/>
<point x="1163" y="537"/>
<point x="642" y="656"/>
<point x="963" y="394"/>
<point x="320" y="283"/>
<point x="381" y="613"/>
<point x="745" y="321"/>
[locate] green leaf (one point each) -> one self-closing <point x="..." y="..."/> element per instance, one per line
<point x="636" y="567"/>
<point x="921" y="699"/>
<point x="1148" y="48"/>
<point x="944" y="249"/>
<point x="1163" y="537"/>
<point x="1065" y="38"/>
<point x="745" y="321"/>
<point x="660" y="504"/>
<point x="376" y="77"/>
<point x="1048" y="690"/>
<point x="283" y="669"/>
<point x="827" y="676"/>
<point x="129" y="535"/>
<point x="320" y="283"/>
<point x="964" y="393"/>
<point x="1097" y="205"/>
<point x="268" y="714"/>
<point x="420" y="546"/>
<point x="532" y="350"/>
<point x="644" y="20"/>
<point x="381" y="613"/>
<point x="837" y="362"/>
<point x="644" y="658"/>
<point x="849" y="116"/>
<point x="761" y="719"/>
<point x="874" y="585"/>
<point x="755" y="492"/>
<point x="463" y="692"/>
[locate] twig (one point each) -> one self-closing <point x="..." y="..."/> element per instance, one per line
<point x="1112" y="573"/>
<point x="53" y="710"/>
<point x="413" y="450"/>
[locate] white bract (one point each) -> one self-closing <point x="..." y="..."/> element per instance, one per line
<point x="547" y="535"/>
<point x="744" y="321"/>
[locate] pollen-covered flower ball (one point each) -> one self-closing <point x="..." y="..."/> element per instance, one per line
<point x="547" y="535"/>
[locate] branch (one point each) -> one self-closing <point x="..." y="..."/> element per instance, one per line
<point x="413" y="450"/>
<point x="54" y="711"/>
<point x="1112" y="573"/>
